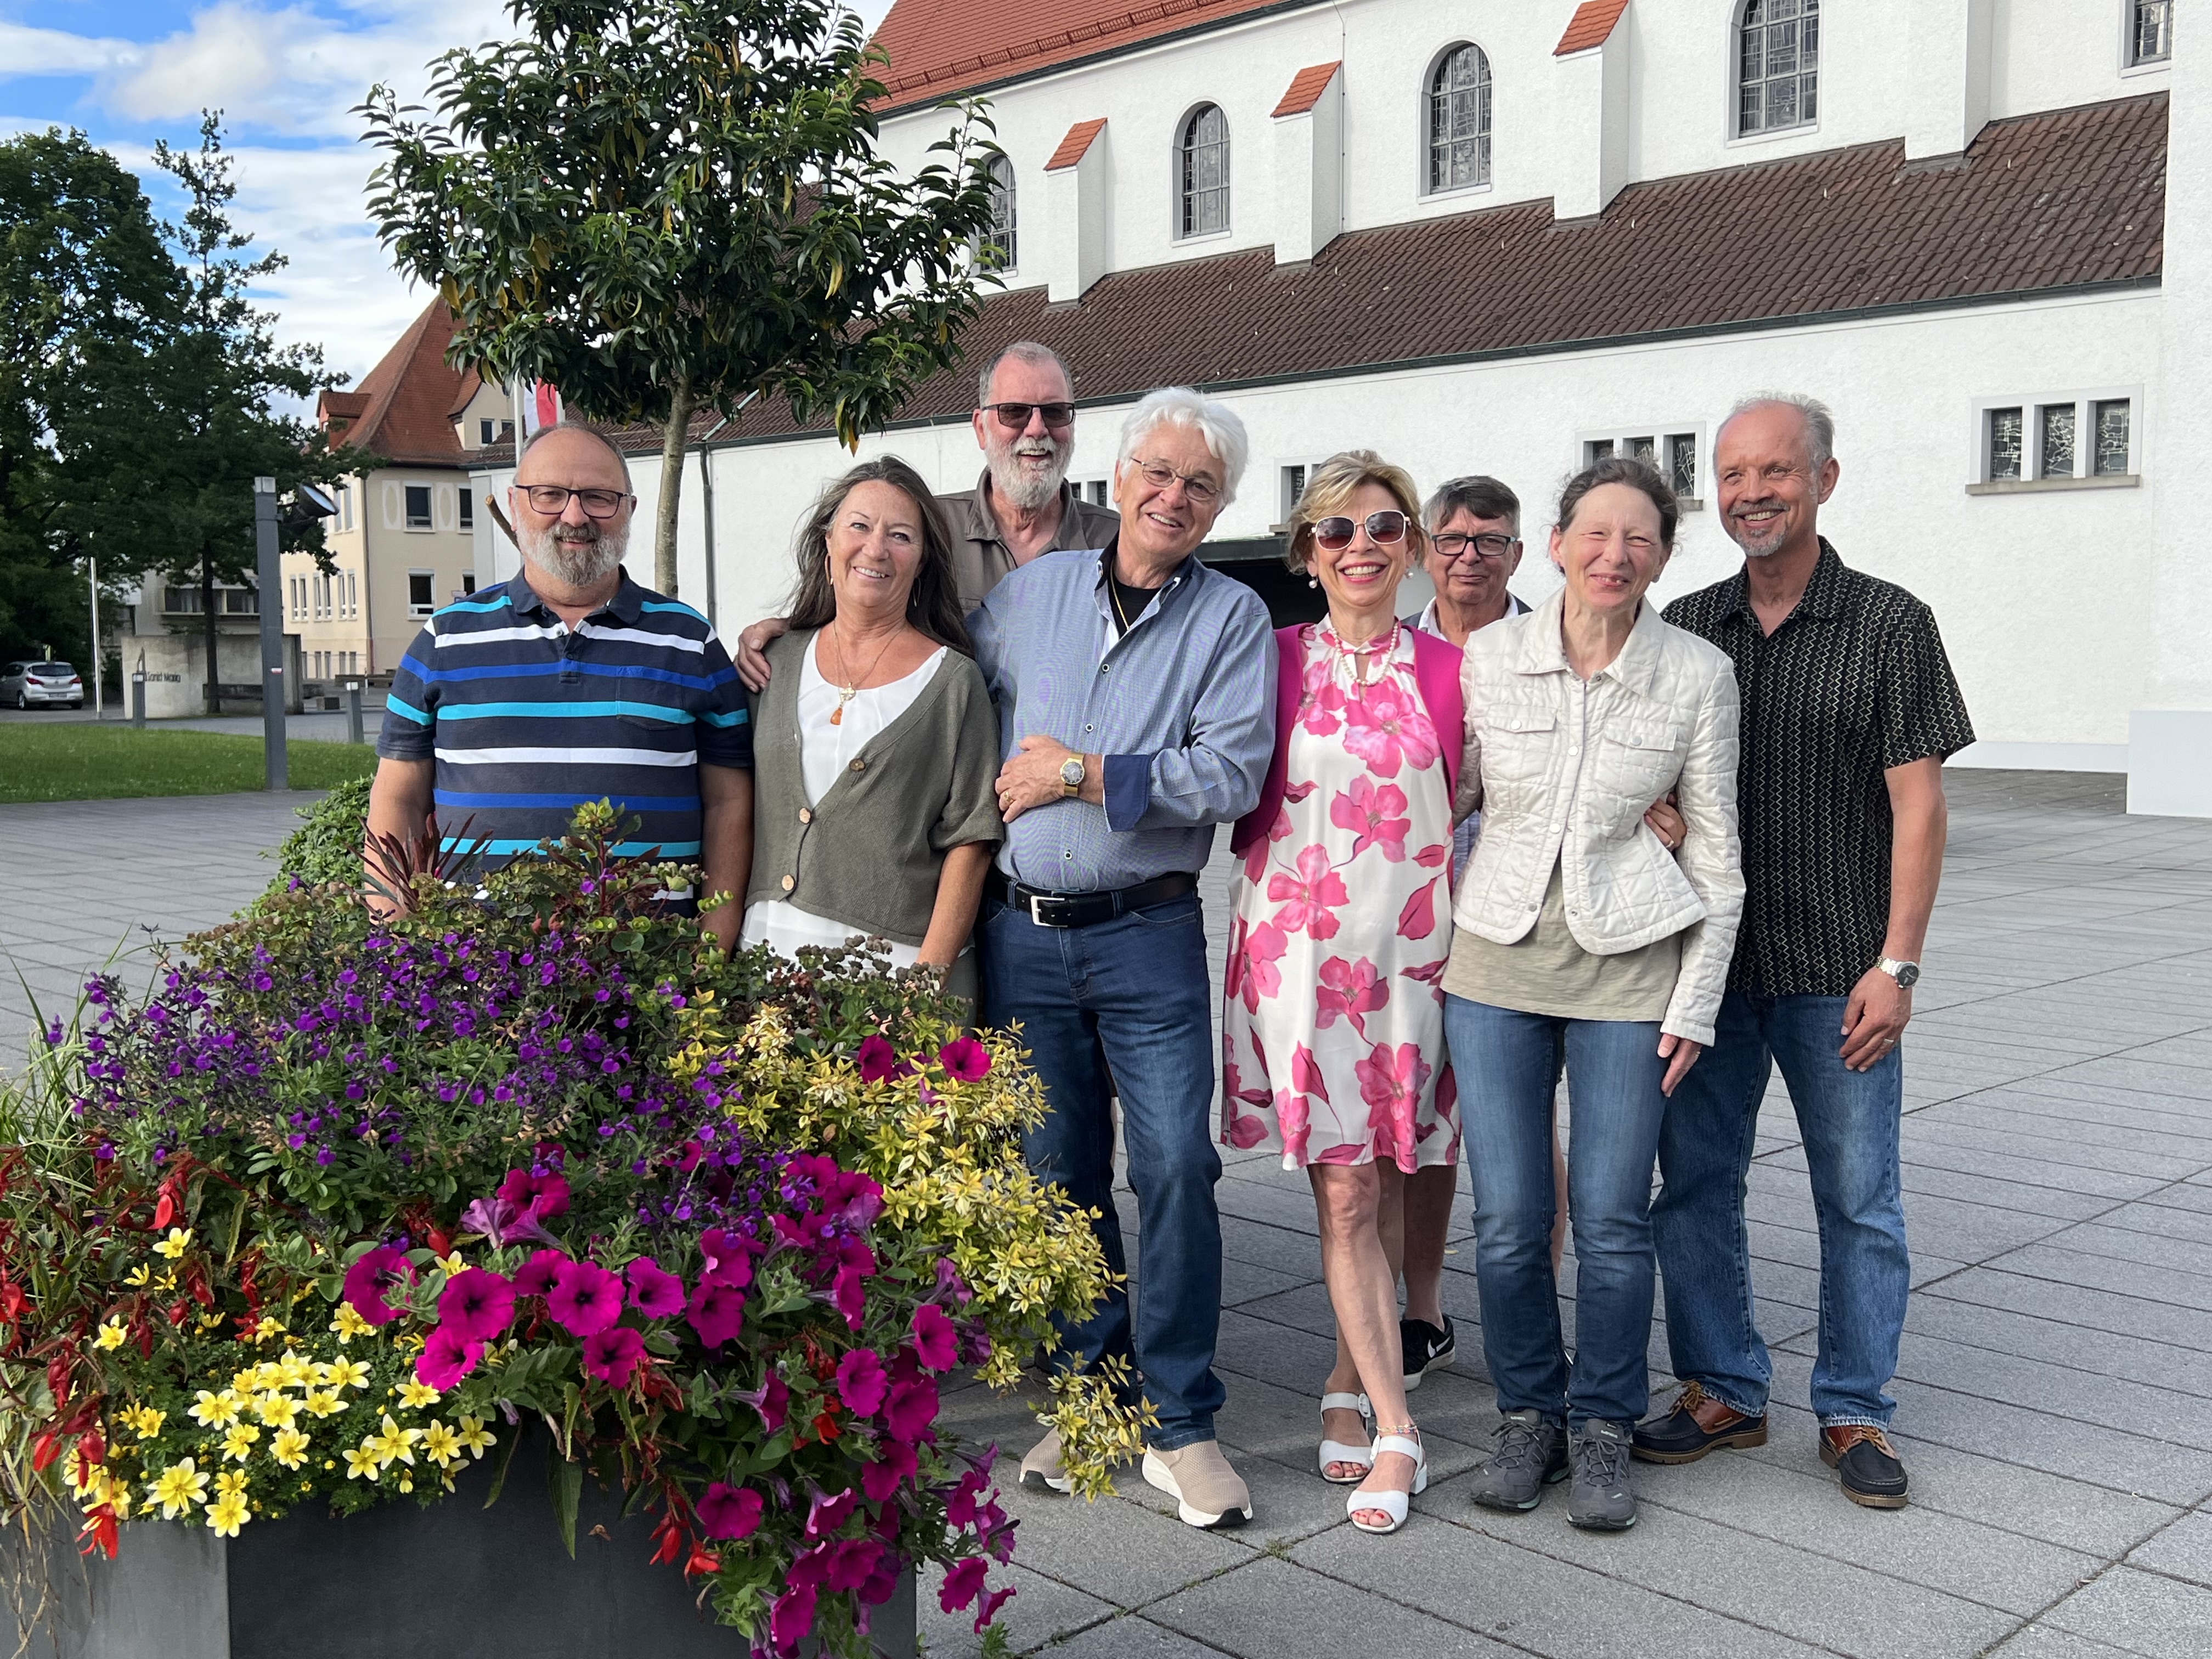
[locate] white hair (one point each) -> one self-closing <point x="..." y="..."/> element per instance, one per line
<point x="1217" y="423"/>
<point x="1819" y="422"/>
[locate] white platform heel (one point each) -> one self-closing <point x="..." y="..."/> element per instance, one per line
<point x="1338" y="1451"/>
<point x="1391" y="1504"/>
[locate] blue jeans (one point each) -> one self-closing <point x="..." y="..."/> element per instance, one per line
<point x="1136" y="988"/>
<point x="1507" y="1065"/>
<point x="1849" y="1124"/>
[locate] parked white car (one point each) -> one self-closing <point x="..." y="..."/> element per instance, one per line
<point x="33" y="684"/>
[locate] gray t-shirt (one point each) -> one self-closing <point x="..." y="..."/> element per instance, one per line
<point x="1546" y="972"/>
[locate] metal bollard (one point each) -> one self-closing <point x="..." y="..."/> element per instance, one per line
<point x="138" y="700"/>
<point x="353" y="711"/>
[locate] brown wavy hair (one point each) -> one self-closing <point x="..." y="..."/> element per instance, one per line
<point x="933" y="607"/>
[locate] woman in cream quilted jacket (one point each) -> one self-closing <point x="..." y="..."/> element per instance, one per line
<point x="1575" y="927"/>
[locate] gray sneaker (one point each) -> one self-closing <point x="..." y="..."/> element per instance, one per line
<point x="1531" y="1455"/>
<point x="1601" y="1500"/>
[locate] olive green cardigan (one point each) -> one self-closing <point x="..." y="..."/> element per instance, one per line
<point x="869" y="853"/>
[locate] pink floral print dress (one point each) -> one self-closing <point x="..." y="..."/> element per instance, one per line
<point x="1332" y="1023"/>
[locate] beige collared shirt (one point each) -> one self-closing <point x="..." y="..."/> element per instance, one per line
<point x="980" y="553"/>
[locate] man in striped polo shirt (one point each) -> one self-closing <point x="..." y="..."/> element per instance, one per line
<point x="569" y="683"/>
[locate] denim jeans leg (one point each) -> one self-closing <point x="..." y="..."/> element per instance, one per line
<point x="1706" y="1144"/>
<point x="1145" y="982"/>
<point x="1027" y="976"/>
<point x="1615" y="1106"/>
<point x="1506" y="1062"/>
<point x="1849" y="1122"/>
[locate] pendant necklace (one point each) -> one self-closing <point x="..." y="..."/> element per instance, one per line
<point x="846" y="693"/>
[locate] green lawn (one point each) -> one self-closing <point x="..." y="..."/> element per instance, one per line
<point x="79" y="760"/>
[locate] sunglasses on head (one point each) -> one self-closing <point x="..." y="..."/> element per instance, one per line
<point x="1384" y="529"/>
<point x="1016" y="416"/>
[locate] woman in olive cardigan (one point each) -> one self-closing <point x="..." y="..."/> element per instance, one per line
<point x="875" y="743"/>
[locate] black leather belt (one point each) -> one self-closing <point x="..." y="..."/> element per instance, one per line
<point x="1086" y="910"/>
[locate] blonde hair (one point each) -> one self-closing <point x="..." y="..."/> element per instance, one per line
<point x="1334" y="483"/>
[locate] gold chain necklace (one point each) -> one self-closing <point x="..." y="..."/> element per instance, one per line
<point x="846" y="693"/>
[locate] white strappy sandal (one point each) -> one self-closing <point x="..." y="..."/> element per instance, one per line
<point x="1391" y="1504"/>
<point x="1337" y="1451"/>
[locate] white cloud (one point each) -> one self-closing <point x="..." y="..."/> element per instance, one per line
<point x="25" y="50"/>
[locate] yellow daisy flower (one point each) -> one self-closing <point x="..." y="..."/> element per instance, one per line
<point x="112" y="1335"/>
<point x="323" y="1402"/>
<point x="441" y="1444"/>
<point x="239" y="1442"/>
<point x="289" y="1448"/>
<point x="178" y="1241"/>
<point x="362" y="1460"/>
<point x="452" y="1263"/>
<point x="216" y="1411"/>
<point x="227" y="1516"/>
<point x="294" y="1372"/>
<point x="139" y="1275"/>
<point x="266" y="1328"/>
<point x="474" y="1437"/>
<point x="415" y="1395"/>
<point x="349" y="1324"/>
<point x="231" y="1483"/>
<point x="179" y="1488"/>
<point x="347" y="1374"/>
<point x="144" y="1421"/>
<point x="275" y="1409"/>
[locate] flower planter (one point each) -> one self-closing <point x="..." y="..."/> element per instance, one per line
<point x="457" y="1579"/>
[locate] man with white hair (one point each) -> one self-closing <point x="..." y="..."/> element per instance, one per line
<point x="1135" y="690"/>
<point x="568" y="682"/>
<point x="1850" y="710"/>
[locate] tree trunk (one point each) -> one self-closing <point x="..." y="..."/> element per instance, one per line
<point x="672" y="487"/>
<point x="208" y="627"/>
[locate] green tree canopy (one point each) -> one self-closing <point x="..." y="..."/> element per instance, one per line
<point x="659" y="205"/>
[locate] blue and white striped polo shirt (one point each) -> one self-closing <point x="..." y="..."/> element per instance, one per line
<point x="527" y="719"/>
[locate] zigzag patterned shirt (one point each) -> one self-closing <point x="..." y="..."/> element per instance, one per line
<point x="528" y="718"/>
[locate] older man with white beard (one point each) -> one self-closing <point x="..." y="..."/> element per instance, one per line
<point x="568" y="682"/>
<point x="1023" y="505"/>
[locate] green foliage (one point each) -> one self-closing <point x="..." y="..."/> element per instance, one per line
<point x="328" y="846"/>
<point x="662" y="203"/>
<point x="78" y="760"/>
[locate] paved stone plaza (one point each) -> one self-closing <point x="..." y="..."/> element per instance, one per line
<point x="2055" y="1390"/>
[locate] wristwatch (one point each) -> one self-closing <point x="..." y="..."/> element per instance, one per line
<point x="1906" y="974"/>
<point x="1071" y="776"/>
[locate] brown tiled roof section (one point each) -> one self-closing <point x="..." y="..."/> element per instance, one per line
<point x="1592" y="22"/>
<point x="941" y="47"/>
<point x="402" y="408"/>
<point x="1077" y="142"/>
<point x="1306" y="87"/>
<point x="2052" y="201"/>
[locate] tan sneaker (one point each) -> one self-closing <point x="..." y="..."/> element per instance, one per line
<point x="1041" y="1470"/>
<point x="1208" y="1494"/>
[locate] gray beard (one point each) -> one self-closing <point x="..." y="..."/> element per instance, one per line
<point x="1022" y="489"/>
<point x="577" y="563"/>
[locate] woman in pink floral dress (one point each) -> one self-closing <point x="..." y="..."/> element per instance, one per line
<point x="1332" y="1018"/>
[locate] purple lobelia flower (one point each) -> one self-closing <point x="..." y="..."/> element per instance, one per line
<point x="587" y="1298"/>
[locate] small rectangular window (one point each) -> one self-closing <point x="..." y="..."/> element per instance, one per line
<point x="2004" y="444"/>
<point x="468" y="518"/>
<point x="2055" y="422"/>
<point x="1597" y="450"/>
<point x="469" y="581"/>
<point x="485" y="429"/>
<point x="422" y="592"/>
<point x="241" y="602"/>
<point x="1644" y="450"/>
<point x="2150" y="33"/>
<point x="1294" y="485"/>
<point x="1682" y="464"/>
<point x="2114" y="456"/>
<point x="418" y="507"/>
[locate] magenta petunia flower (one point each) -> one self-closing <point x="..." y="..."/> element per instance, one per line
<point x="876" y="1060"/>
<point x="861" y="1382"/>
<point x="587" y="1298"/>
<point x="827" y="1513"/>
<point x="964" y="1581"/>
<point x="538" y="1276"/>
<point x="893" y="1468"/>
<point x="964" y="1058"/>
<point x="366" y="1280"/>
<point x="849" y="1294"/>
<point x="611" y="1355"/>
<point x="728" y="1511"/>
<point x="791" y="1619"/>
<point x="771" y="1399"/>
<point x="654" y="1291"/>
<point x="446" y="1358"/>
<point x="717" y="1312"/>
<point x="986" y="1609"/>
<point x="852" y="1562"/>
<point x="911" y="1410"/>
<point x="729" y="1258"/>
<point x="476" y="1305"/>
<point x="541" y="1197"/>
<point x="934" y="1338"/>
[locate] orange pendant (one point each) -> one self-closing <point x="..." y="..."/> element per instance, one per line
<point x="837" y="715"/>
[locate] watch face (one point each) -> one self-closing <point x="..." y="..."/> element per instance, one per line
<point x="1071" y="771"/>
<point x="1908" y="975"/>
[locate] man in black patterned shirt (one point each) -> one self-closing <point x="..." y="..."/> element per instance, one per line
<point x="1850" y="710"/>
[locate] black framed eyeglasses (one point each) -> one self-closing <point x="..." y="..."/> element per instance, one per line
<point x="552" y="500"/>
<point x="1016" y="416"/>
<point x="1490" y="544"/>
<point x="1384" y="529"/>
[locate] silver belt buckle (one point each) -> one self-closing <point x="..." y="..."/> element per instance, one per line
<point x="1037" y="901"/>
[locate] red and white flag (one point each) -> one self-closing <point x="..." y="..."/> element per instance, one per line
<point x="541" y="407"/>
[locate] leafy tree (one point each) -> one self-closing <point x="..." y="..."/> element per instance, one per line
<point x="662" y="205"/>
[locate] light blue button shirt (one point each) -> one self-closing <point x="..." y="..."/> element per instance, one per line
<point x="1181" y="707"/>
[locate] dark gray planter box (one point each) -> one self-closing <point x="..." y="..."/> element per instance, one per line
<point x="456" y="1580"/>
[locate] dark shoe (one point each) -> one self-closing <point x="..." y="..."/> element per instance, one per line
<point x="1601" y="1500"/>
<point x="1872" y="1473"/>
<point x="1699" y="1423"/>
<point x="1427" y="1347"/>
<point x="1531" y="1455"/>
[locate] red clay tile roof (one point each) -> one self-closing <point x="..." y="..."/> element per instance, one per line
<point x="1306" y="87"/>
<point x="941" y="47"/>
<point x="402" y="408"/>
<point x="1592" y="22"/>
<point x="2054" y="200"/>
<point x="1071" y="147"/>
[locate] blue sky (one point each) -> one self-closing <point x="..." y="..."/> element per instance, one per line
<point x="286" y="74"/>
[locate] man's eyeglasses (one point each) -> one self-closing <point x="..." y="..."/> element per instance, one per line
<point x="552" y="500"/>
<point x="1015" y="417"/>
<point x="1202" y="490"/>
<point x="1488" y="545"/>
<point x="1385" y="529"/>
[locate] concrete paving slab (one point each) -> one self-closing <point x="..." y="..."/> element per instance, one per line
<point x="2143" y="1612"/>
<point x="1273" y="1609"/>
<point x="2182" y="1550"/>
